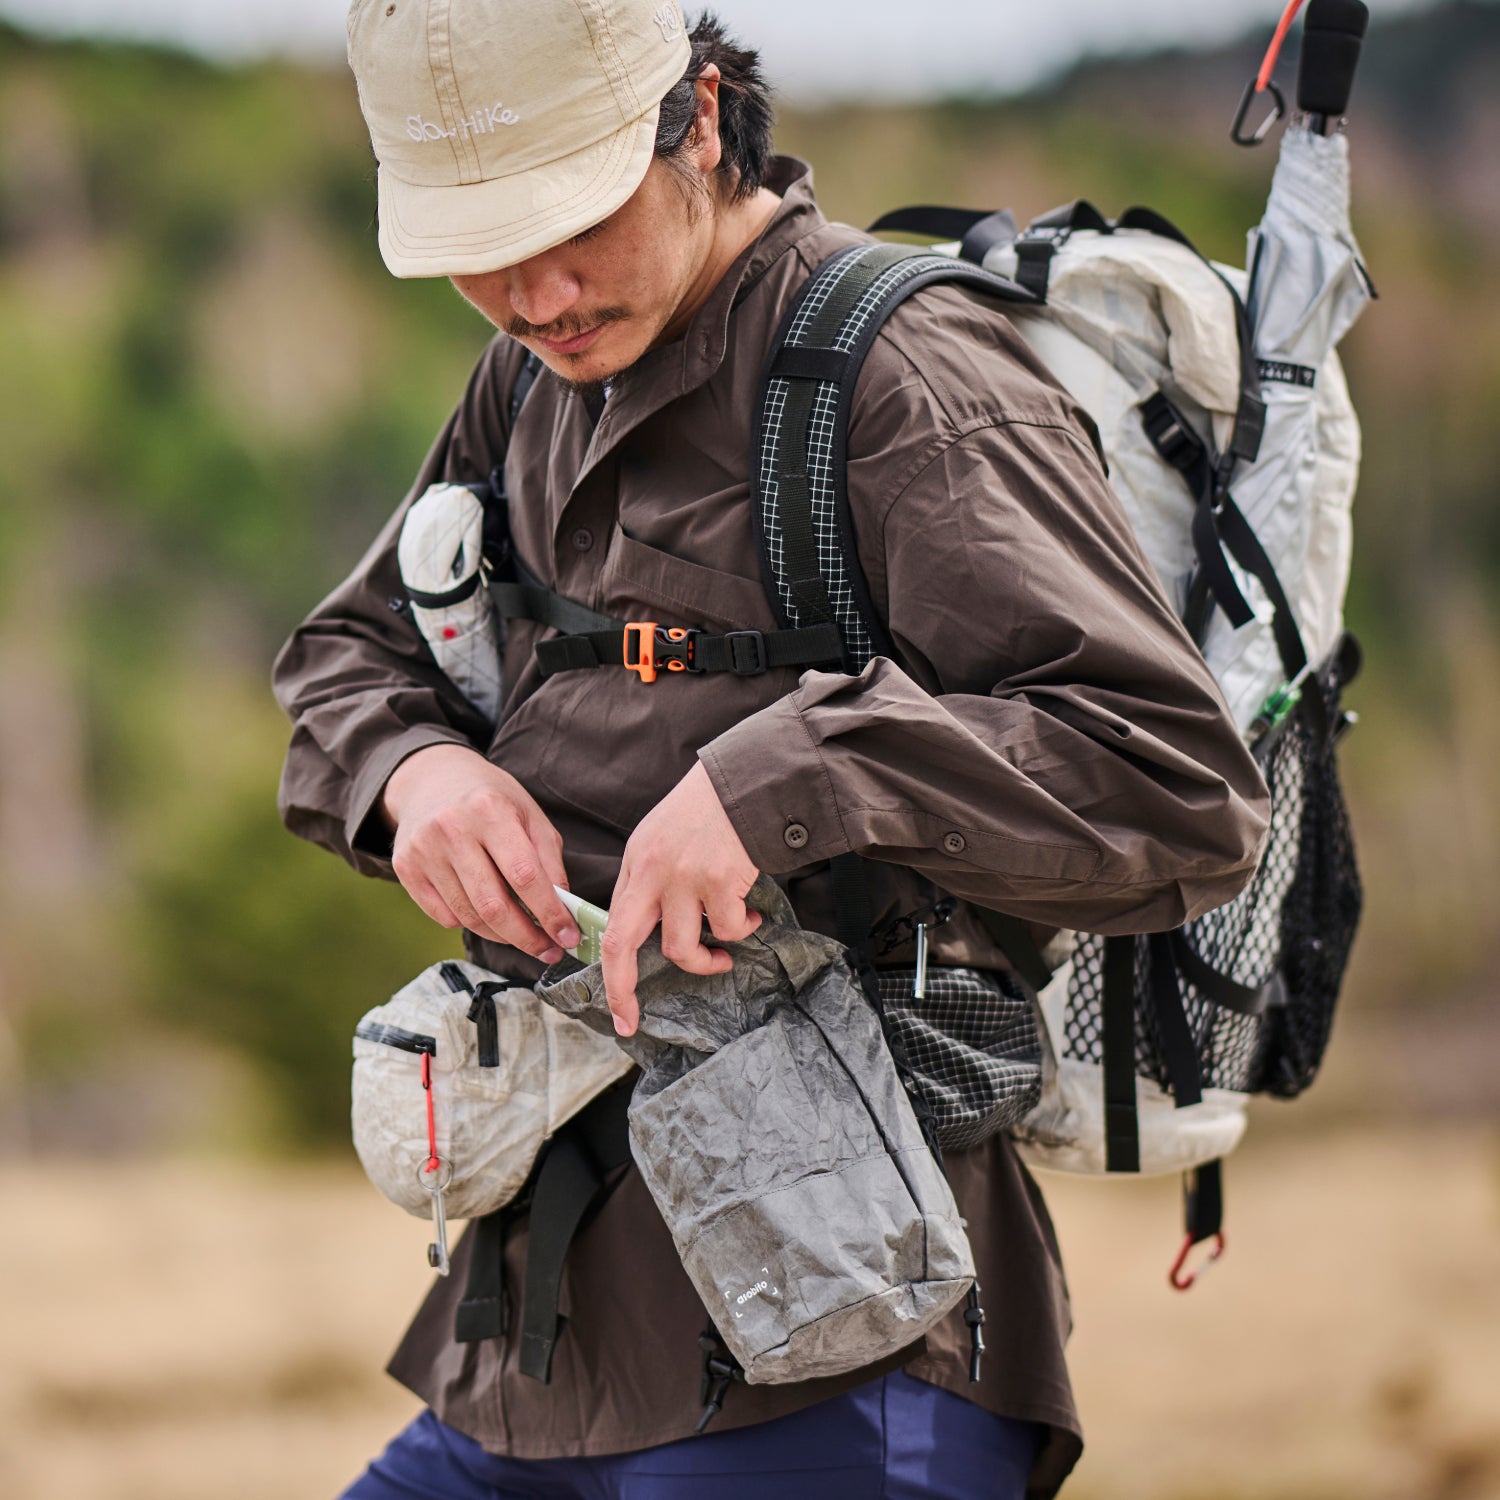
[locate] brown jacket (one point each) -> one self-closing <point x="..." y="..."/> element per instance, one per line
<point x="1050" y="744"/>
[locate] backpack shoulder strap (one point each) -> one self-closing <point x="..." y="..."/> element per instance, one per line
<point x="803" y="525"/>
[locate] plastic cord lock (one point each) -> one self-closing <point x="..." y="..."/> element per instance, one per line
<point x="720" y="1371"/>
<point x="649" y="646"/>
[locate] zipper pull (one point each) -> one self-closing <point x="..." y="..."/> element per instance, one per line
<point x="919" y="985"/>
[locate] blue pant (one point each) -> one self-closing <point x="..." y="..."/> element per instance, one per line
<point x="894" y="1439"/>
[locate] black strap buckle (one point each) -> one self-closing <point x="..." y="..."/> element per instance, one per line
<point x="747" y="652"/>
<point x="1170" y="433"/>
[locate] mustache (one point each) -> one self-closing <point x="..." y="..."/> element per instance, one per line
<point x="567" y="327"/>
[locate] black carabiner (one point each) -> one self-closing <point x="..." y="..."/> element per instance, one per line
<point x="1236" y="133"/>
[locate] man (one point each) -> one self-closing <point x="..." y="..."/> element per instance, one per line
<point x="599" y="184"/>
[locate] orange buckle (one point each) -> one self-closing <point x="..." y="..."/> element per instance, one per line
<point x="657" y="647"/>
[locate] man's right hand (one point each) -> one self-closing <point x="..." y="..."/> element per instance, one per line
<point x="471" y="846"/>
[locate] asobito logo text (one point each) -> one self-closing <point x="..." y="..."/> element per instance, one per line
<point x="481" y="122"/>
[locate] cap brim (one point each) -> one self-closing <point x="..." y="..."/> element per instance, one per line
<point x="486" y="226"/>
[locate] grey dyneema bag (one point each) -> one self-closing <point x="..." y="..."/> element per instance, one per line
<point x="776" y="1137"/>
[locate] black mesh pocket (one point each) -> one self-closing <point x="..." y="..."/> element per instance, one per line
<point x="1321" y="911"/>
<point x="1296" y="918"/>
<point x="972" y="1046"/>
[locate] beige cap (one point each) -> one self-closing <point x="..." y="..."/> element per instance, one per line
<point x="504" y="127"/>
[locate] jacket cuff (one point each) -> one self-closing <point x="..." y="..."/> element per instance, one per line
<point x="773" y="784"/>
<point x="365" y="828"/>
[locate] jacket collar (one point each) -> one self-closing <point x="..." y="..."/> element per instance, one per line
<point x="674" y="369"/>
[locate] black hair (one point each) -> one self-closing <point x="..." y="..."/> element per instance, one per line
<point x="745" y="114"/>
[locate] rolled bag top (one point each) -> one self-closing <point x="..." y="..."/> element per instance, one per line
<point x="775" y="1136"/>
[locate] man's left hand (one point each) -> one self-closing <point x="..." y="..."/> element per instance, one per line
<point x="683" y="861"/>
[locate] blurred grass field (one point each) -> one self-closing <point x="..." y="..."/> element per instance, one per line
<point x="184" y="1329"/>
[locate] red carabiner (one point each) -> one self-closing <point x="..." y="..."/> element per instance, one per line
<point x="1182" y="1282"/>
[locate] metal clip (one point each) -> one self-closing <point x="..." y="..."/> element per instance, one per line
<point x="1261" y="131"/>
<point x="905" y="929"/>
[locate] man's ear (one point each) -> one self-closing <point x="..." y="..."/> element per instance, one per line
<point x="708" y="150"/>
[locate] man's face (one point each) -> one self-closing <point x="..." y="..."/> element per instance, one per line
<point x="592" y="306"/>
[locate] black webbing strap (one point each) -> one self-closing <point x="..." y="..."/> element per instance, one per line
<point x="853" y="909"/>
<point x="487" y="1023"/>
<point x="447" y="597"/>
<point x="481" y="1314"/>
<point x="1239" y="536"/>
<point x="528" y="600"/>
<point x="798" y="362"/>
<point x="1244" y="999"/>
<point x="1014" y="939"/>
<point x="570" y="1180"/>
<point x="1250" y="415"/>
<point x="1122" y="1134"/>
<point x="746" y="653"/>
<point x="1220" y="524"/>
<point x="481" y="1009"/>
<point x="495" y="499"/>
<point x="1203" y="1201"/>
<point x="1041" y="239"/>
<point x="977" y="230"/>
<point x="1213" y="567"/>
<point x="1179" y="1050"/>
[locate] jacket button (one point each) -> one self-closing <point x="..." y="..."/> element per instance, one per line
<point x="583" y="539"/>
<point x="954" y="843"/>
<point x="795" y="836"/>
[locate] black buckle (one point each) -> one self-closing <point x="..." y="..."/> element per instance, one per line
<point x="648" y="646"/>
<point x="747" y="652"/>
<point x="1170" y="433"/>
<point x="677" y="648"/>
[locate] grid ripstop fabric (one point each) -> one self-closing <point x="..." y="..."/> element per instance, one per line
<point x="775" y="444"/>
<point x="971" y="1046"/>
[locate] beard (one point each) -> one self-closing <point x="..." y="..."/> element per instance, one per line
<point x="568" y="327"/>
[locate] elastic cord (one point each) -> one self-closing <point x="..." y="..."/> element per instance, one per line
<point x="434" y="1162"/>
<point x="1268" y="63"/>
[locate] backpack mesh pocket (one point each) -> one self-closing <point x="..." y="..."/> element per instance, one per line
<point x="1319" y="918"/>
<point x="1296" y="918"/>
